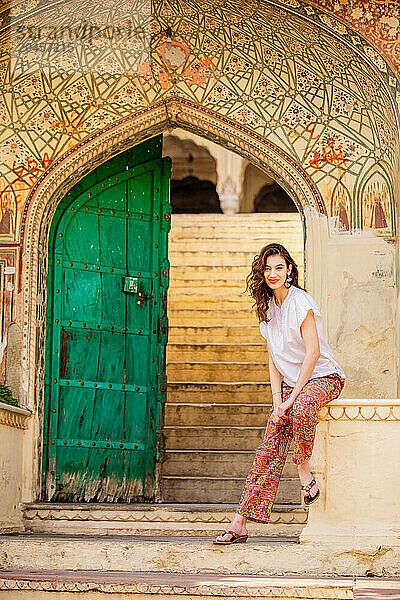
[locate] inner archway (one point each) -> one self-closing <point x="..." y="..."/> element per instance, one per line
<point x="216" y="360"/>
<point x="194" y="176"/>
<point x="261" y="193"/>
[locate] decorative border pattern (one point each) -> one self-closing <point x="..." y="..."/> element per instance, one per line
<point x="223" y="590"/>
<point x="14" y="416"/>
<point x="154" y="515"/>
<point x="362" y="410"/>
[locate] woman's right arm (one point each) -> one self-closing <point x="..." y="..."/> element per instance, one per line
<point x="276" y="379"/>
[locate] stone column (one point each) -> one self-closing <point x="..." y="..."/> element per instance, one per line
<point x="356" y="463"/>
<point x="229" y="170"/>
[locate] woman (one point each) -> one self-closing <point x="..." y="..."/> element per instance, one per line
<point x="304" y="377"/>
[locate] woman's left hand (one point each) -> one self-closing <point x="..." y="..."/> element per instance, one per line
<point x="280" y="411"/>
<point x="282" y="408"/>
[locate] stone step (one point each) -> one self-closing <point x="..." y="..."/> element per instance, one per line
<point x="237" y="217"/>
<point x="268" y="226"/>
<point x="196" y="300"/>
<point x="213" y="438"/>
<point x="217" y="371"/>
<point x="237" y="273"/>
<point x="212" y="272"/>
<point x="196" y="463"/>
<point x="153" y="519"/>
<point x="230" y="244"/>
<point x="197" y="555"/>
<point x="232" y="237"/>
<point x="216" y="352"/>
<point x="203" y="334"/>
<point x="224" y="393"/>
<point x="220" y="258"/>
<point x="154" y="585"/>
<point x="211" y="316"/>
<point x="261" y="229"/>
<point x="210" y="287"/>
<point x="217" y="415"/>
<point x="221" y="489"/>
<point x="207" y="286"/>
<point x="260" y="225"/>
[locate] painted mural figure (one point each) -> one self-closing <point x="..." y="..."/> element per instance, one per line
<point x="343" y="218"/>
<point x="378" y="218"/>
<point x="304" y="377"/>
<point x="6" y="222"/>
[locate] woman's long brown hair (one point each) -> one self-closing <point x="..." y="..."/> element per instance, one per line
<point x="255" y="281"/>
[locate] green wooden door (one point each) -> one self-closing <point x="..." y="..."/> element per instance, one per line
<point x="107" y="331"/>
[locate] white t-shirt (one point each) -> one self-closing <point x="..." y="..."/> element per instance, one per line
<point x="284" y="339"/>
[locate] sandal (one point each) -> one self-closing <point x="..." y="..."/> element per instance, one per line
<point x="235" y="539"/>
<point x="308" y="499"/>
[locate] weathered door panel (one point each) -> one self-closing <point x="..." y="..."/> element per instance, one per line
<point x="105" y="353"/>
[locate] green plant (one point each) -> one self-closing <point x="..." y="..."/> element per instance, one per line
<point x="6" y="396"/>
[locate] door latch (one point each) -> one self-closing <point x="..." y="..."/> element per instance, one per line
<point x="141" y="297"/>
<point x="131" y="285"/>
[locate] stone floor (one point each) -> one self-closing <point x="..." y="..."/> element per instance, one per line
<point x="200" y="585"/>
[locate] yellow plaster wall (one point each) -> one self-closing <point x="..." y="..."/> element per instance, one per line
<point x="362" y="313"/>
<point x="11" y="459"/>
<point x="355" y="459"/>
<point x="352" y="276"/>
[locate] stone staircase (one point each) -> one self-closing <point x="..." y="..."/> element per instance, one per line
<point x="65" y="546"/>
<point x="217" y="364"/>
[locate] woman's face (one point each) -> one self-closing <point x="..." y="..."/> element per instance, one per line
<point x="276" y="271"/>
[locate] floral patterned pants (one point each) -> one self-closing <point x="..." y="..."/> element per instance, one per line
<point x="262" y="482"/>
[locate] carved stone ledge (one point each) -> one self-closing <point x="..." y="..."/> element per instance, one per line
<point x="14" y="416"/>
<point x="268" y="590"/>
<point x="370" y="409"/>
<point x="150" y="515"/>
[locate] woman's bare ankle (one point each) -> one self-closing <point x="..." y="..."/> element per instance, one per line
<point x="238" y="524"/>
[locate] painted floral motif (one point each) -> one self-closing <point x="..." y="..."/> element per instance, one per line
<point x="30" y="86"/>
<point x="335" y="66"/>
<point x="333" y="24"/>
<point x="127" y="95"/>
<point x="292" y="3"/>
<point x="297" y="115"/>
<point x="235" y="64"/>
<point x="24" y="7"/>
<point x="307" y="80"/>
<point x="334" y="149"/>
<point x="248" y="117"/>
<point x="266" y="88"/>
<point x="343" y="103"/>
<point x="100" y="119"/>
<point x="387" y="135"/>
<point x="220" y="92"/>
<point x="376" y="58"/>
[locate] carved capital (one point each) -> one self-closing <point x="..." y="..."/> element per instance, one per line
<point x="14" y="416"/>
